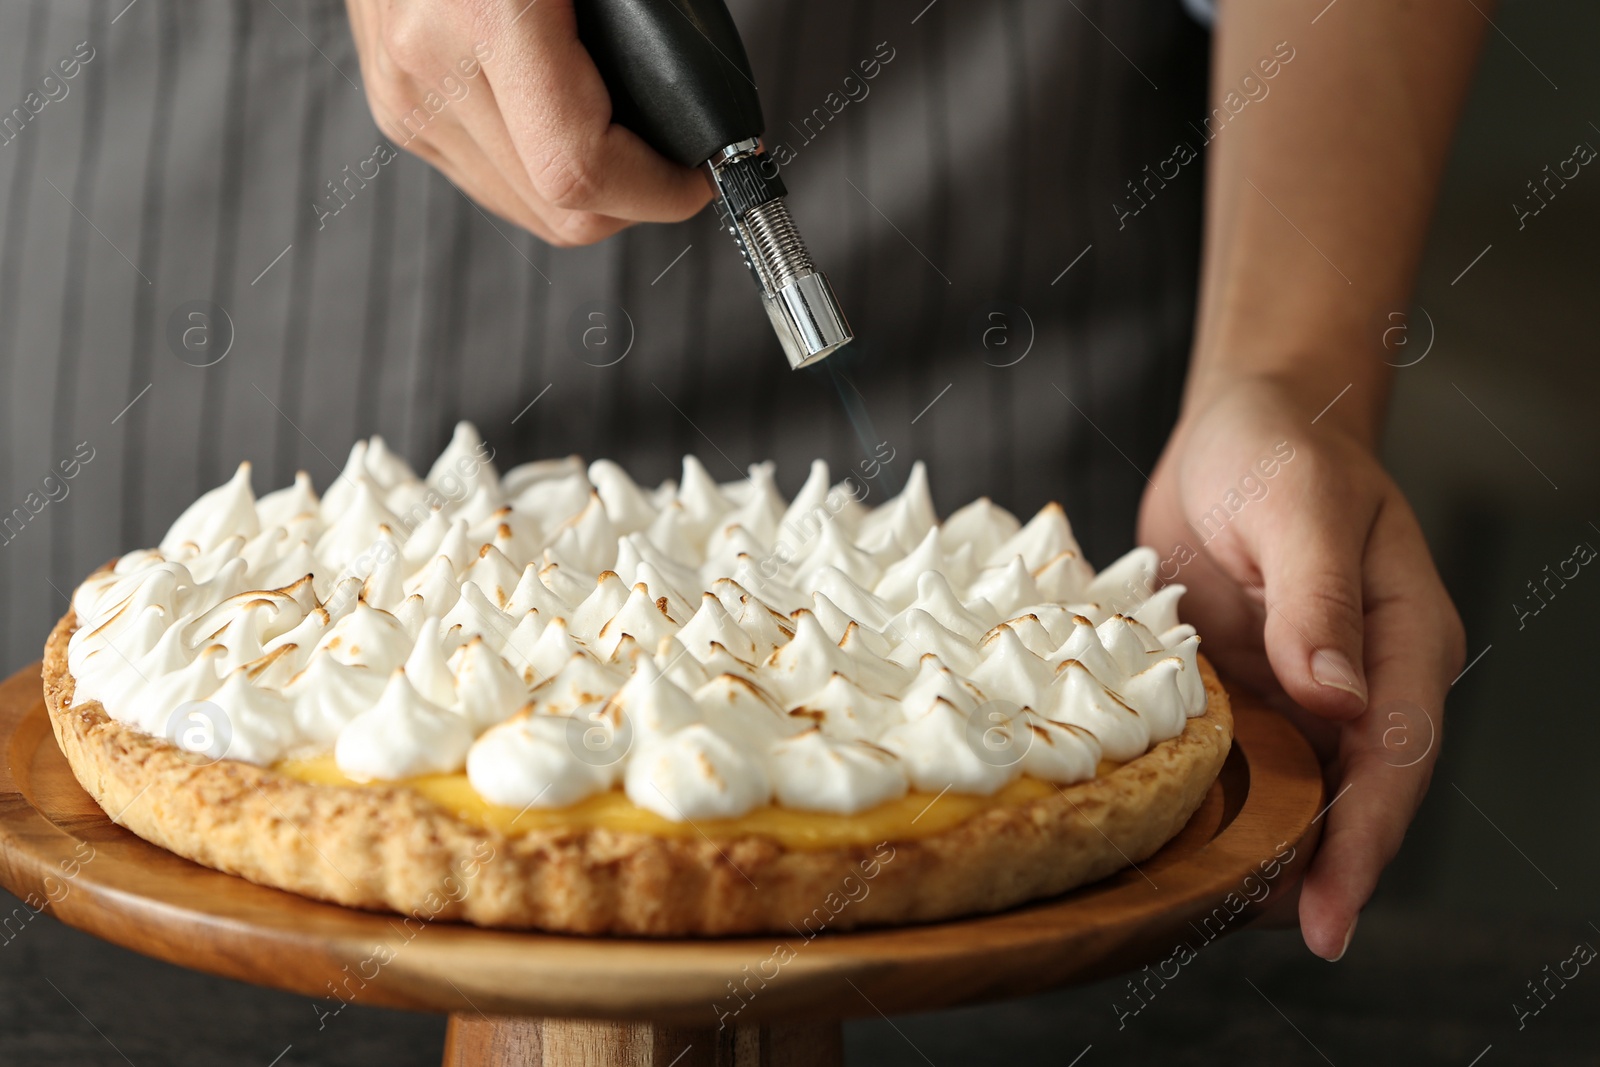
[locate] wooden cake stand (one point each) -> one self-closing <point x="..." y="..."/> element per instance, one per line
<point x="530" y="998"/>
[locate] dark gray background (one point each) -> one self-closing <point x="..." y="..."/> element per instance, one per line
<point x="1500" y="872"/>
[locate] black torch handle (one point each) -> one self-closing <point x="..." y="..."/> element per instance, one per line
<point x="677" y="73"/>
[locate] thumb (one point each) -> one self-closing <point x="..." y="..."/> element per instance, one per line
<point x="1311" y="573"/>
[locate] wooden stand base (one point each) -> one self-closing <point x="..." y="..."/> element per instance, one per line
<point x="473" y="1039"/>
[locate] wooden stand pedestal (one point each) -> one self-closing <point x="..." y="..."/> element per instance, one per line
<point x="474" y="1039"/>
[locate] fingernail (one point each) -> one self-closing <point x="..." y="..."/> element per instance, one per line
<point x="1348" y="934"/>
<point x="1330" y="668"/>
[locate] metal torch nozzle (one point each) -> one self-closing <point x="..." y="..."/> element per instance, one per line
<point x="805" y="313"/>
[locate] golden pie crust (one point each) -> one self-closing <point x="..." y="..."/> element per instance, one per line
<point x="389" y="848"/>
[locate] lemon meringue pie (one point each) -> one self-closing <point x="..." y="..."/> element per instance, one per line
<point x="599" y="707"/>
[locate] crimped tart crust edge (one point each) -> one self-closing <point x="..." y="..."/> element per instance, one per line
<point x="388" y="848"/>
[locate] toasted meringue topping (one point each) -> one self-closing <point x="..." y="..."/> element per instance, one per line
<point x="710" y="648"/>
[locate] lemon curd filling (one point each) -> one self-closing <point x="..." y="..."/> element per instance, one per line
<point x="912" y="816"/>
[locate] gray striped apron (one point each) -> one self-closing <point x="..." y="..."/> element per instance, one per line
<point x="177" y="292"/>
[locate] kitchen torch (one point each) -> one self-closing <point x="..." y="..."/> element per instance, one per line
<point x="679" y="78"/>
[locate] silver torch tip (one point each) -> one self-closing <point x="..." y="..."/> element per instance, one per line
<point x="801" y="303"/>
<point x="807" y="318"/>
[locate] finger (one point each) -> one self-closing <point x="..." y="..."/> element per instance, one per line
<point x="395" y="97"/>
<point x="447" y="115"/>
<point x="1309" y="550"/>
<point x="1217" y="603"/>
<point x="481" y="118"/>
<point x="558" y="114"/>
<point x="479" y="161"/>
<point x="1415" y="647"/>
<point x="465" y="167"/>
<point x="1229" y="620"/>
<point x="462" y="158"/>
<point x="361" y="31"/>
<point x="448" y="148"/>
